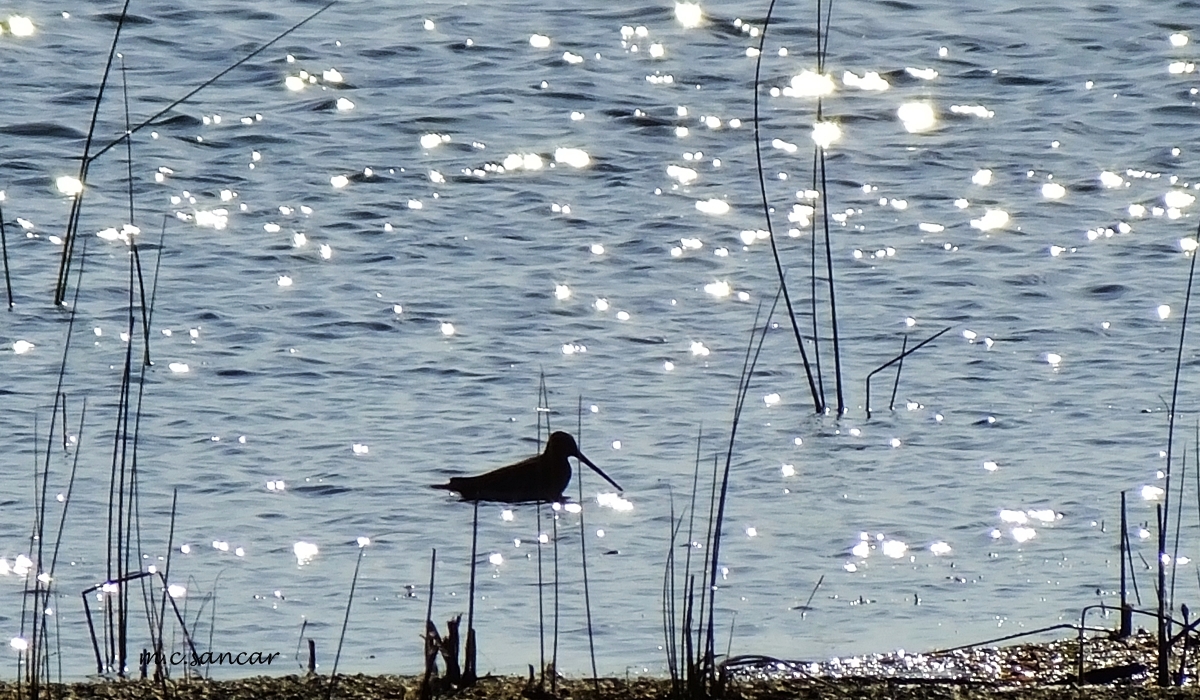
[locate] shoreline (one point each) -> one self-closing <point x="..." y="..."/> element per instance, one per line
<point x="386" y="687"/>
<point x="1114" y="668"/>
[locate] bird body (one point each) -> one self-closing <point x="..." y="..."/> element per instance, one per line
<point x="541" y="477"/>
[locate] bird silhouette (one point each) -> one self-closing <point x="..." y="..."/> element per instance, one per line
<point x="541" y="477"/>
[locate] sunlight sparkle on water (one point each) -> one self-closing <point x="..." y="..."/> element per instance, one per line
<point x="1023" y="534"/>
<point x="305" y="552"/>
<point x="20" y="26"/>
<point x="715" y="207"/>
<point x="614" y="501"/>
<point x="992" y="219"/>
<point x="344" y="105"/>
<point x="809" y="84"/>
<point x="68" y="185"/>
<point x="894" y="549"/>
<point x="294" y="83"/>
<point x="825" y="134"/>
<point x="870" y="80"/>
<point x="1151" y="493"/>
<point x="982" y="177"/>
<point x="562" y="292"/>
<point x="179" y="367"/>
<point x="1053" y="359"/>
<point x="429" y="141"/>
<point x="1053" y="190"/>
<point x="922" y="73"/>
<point x="339" y="181"/>
<point x="496" y="559"/>
<point x="973" y="110"/>
<point x="527" y="161"/>
<point x="1178" y="39"/>
<point x="21" y="347"/>
<point x="685" y="176"/>
<point x="689" y="14"/>
<point x="939" y="548"/>
<point x="1164" y="311"/>
<point x="574" y="157"/>
<point x="539" y="41"/>
<point x="772" y="399"/>
<point x="284" y="281"/>
<point x="719" y="289"/>
<point x="917" y="116"/>
<point x="1111" y="179"/>
<point x="1178" y="199"/>
<point x="447" y="329"/>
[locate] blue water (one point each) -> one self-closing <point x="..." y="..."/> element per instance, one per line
<point x="1013" y="436"/>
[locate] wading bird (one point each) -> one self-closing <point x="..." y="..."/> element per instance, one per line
<point x="541" y="478"/>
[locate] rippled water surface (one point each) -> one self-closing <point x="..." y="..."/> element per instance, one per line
<point x="365" y="271"/>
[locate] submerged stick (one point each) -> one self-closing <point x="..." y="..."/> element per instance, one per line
<point x="899" y="369"/>
<point x="899" y="358"/>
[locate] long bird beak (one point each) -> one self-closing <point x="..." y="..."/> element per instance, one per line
<point x="588" y="462"/>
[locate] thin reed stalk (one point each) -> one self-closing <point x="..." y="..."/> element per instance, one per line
<point x="160" y="670"/>
<point x="812" y="292"/>
<point x="60" y="289"/>
<point x="541" y="603"/>
<point x="704" y="589"/>
<point x="430" y="631"/>
<point x="64" y="265"/>
<point x="748" y="367"/>
<point x="468" y="675"/>
<point x="1178" y="520"/>
<point x="1164" y="651"/>
<point x="346" y="620"/>
<point x="818" y="397"/>
<point x="4" y="252"/>
<point x="833" y="319"/>
<point x="587" y="594"/>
